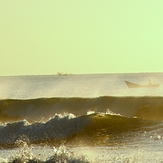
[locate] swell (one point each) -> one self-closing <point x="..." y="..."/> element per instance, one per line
<point x="44" y="108"/>
<point x="87" y="129"/>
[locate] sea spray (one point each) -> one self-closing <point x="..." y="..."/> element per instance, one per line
<point x="60" y="154"/>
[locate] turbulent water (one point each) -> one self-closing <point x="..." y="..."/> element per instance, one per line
<point x="81" y="118"/>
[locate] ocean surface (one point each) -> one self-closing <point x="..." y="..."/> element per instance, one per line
<point x="70" y="118"/>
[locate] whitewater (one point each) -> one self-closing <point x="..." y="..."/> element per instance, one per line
<point x="92" y="118"/>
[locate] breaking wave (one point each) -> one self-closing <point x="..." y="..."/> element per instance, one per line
<point x="90" y="129"/>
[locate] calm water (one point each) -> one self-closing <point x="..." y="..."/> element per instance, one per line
<point x="21" y="87"/>
<point x="81" y="118"/>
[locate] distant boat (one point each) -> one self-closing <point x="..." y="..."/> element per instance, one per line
<point x="134" y="85"/>
<point x="61" y="74"/>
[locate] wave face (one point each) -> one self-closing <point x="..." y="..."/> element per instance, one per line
<point x="88" y="121"/>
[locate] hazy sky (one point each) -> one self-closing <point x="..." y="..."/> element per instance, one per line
<point x="80" y="36"/>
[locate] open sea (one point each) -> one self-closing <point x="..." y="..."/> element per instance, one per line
<point x="92" y="118"/>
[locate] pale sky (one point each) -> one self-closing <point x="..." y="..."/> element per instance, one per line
<point x="80" y="36"/>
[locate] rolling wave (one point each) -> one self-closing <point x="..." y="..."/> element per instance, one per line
<point x="93" y="129"/>
<point x="42" y="109"/>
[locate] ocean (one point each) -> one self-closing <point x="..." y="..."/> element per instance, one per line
<point x="88" y="118"/>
